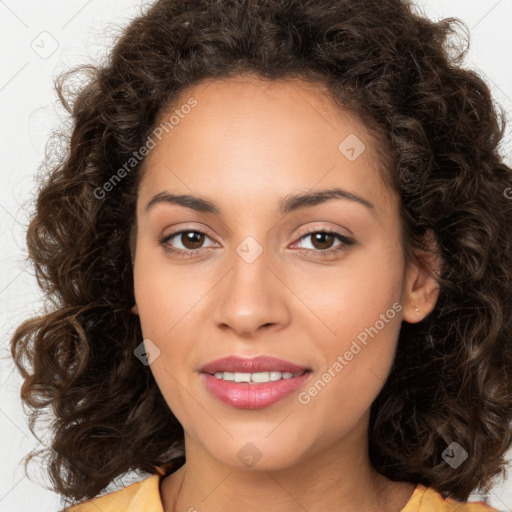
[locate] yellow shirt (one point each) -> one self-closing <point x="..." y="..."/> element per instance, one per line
<point x="144" y="496"/>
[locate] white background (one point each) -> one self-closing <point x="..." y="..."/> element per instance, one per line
<point x="82" y="32"/>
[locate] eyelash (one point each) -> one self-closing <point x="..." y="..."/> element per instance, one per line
<point x="346" y="242"/>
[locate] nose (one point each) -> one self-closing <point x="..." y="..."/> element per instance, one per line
<point x="251" y="297"/>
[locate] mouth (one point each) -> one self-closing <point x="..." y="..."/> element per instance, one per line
<point x="257" y="377"/>
<point x="252" y="383"/>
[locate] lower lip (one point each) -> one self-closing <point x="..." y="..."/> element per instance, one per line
<point x="252" y="396"/>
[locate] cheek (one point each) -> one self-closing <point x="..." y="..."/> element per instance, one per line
<point x="355" y="369"/>
<point x="345" y="299"/>
<point x="359" y="313"/>
<point x="165" y="294"/>
<point x="167" y="300"/>
<point x="163" y="313"/>
<point x="374" y="284"/>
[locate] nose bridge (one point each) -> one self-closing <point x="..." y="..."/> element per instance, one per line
<point x="248" y="297"/>
<point x="250" y="264"/>
<point x="250" y="273"/>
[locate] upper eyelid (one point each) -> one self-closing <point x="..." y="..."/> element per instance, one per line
<point x="308" y="231"/>
<point x="174" y="234"/>
<point x="177" y="231"/>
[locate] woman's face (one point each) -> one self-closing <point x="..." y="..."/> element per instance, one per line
<point x="265" y="279"/>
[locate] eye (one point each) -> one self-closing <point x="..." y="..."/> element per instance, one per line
<point x="191" y="240"/>
<point x="322" y="242"/>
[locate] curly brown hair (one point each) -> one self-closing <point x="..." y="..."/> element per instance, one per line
<point x="452" y="375"/>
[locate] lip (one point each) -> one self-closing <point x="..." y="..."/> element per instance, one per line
<point x="252" y="396"/>
<point x="251" y="365"/>
<point x="243" y="395"/>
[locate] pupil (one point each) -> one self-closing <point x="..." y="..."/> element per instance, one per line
<point x="317" y="237"/>
<point x="187" y="238"/>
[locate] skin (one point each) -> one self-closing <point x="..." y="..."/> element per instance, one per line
<point x="247" y="145"/>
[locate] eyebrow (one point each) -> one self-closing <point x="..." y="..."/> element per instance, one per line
<point x="288" y="204"/>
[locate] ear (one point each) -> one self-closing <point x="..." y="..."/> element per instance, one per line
<point x="134" y="310"/>
<point x="421" y="288"/>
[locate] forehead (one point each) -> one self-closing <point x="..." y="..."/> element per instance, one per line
<point x="249" y="135"/>
<point x="282" y="108"/>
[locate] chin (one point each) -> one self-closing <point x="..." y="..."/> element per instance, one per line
<point x="256" y="453"/>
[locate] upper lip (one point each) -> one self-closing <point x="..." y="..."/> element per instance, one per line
<point x="251" y="365"/>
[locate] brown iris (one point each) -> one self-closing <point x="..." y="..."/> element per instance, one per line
<point x="194" y="238"/>
<point x="321" y="239"/>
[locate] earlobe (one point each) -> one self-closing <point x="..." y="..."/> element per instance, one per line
<point x="420" y="303"/>
<point x="422" y="286"/>
<point x="134" y="310"/>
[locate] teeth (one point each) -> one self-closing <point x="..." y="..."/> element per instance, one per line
<point x="242" y="377"/>
<point x="254" y="378"/>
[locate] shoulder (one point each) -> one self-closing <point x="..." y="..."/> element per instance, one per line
<point x="143" y="496"/>
<point x="427" y="499"/>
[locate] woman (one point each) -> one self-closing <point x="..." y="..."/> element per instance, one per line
<point x="280" y="259"/>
